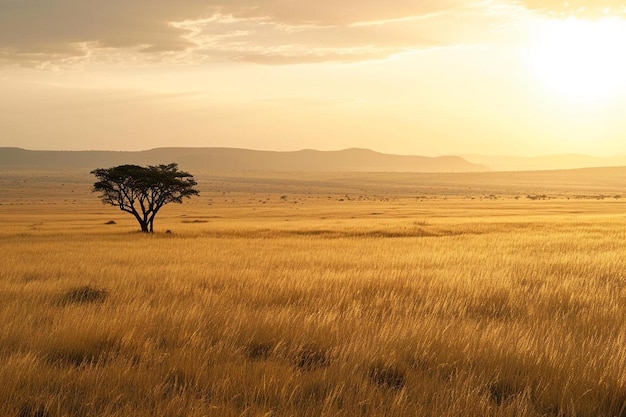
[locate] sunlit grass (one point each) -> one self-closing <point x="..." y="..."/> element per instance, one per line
<point x="370" y="308"/>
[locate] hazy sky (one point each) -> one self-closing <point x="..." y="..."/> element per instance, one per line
<point x="428" y="77"/>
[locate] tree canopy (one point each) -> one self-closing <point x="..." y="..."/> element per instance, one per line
<point x="142" y="191"/>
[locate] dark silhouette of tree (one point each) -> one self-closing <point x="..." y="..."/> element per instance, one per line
<point x="142" y="191"/>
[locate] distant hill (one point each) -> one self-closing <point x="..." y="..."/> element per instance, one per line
<point x="232" y="159"/>
<point x="548" y="162"/>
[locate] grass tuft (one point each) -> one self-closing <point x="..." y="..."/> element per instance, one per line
<point x="387" y="376"/>
<point x="258" y="350"/>
<point x="310" y="358"/>
<point x="84" y="295"/>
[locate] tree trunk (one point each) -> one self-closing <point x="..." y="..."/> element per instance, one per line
<point x="143" y="223"/>
<point x="144" y="227"/>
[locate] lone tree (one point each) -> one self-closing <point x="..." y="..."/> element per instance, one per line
<point x="142" y="191"/>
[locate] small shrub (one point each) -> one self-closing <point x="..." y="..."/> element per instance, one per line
<point x="84" y="295"/>
<point x="258" y="350"/>
<point x="310" y="358"/>
<point x="387" y="376"/>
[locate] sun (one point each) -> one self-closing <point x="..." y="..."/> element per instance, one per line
<point x="580" y="60"/>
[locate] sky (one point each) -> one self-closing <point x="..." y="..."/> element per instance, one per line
<point x="424" y="77"/>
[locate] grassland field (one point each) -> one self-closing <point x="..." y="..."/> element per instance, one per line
<point x="495" y="294"/>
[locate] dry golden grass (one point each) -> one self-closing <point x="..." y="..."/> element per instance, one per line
<point x="383" y="304"/>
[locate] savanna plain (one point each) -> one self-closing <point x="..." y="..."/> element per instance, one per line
<point x="496" y="294"/>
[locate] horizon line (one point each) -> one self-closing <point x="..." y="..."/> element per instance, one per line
<point x="460" y="155"/>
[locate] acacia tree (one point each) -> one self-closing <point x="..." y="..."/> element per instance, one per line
<point x="142" y="191"/>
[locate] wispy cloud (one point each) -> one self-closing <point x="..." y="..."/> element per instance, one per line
<point x="583" y="8"/>
<point x="40" y="32"/>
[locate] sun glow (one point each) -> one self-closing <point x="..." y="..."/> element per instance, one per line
<point x="580" y="60"/>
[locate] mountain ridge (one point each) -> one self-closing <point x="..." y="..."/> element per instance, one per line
<point x="239" y="159"/>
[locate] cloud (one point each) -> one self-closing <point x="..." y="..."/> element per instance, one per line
<point x="333" y="12"/>
<point x="582" y="8"/>
<point x="52" y="28"/>
<point x="35" y="32"/>
<point x="269" y="42"/>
